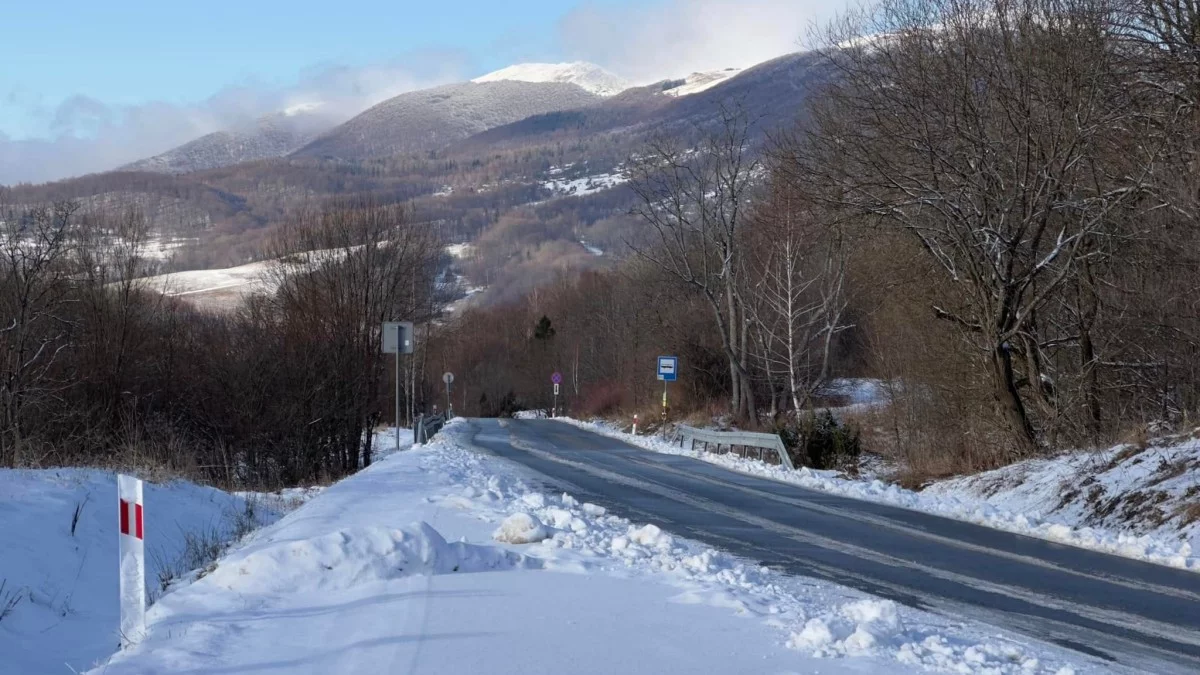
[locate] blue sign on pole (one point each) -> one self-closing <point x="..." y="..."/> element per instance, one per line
<point x="668" y="368"/>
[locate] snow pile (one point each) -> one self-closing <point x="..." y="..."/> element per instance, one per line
<point x="1160" y="546"/>
<point x="520" y="528"/>
<point x="854" y="628"/>
<point x="591" y="77"/>
<point x="1132" y="497"/>
<point x="60" y="557"/>
<point x="350" y="557"/>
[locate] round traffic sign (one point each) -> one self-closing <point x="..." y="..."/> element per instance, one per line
<point x="556" y="378"/>
<point x="448" y="378"/>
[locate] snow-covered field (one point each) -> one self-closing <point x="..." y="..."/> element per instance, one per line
<point x="1027" y="511"/>
<point x="444" y="559"/>
<point x="231" y="281"/>
<point x="585" y="185"/>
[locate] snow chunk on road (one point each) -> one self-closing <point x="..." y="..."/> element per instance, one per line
<point x="521" y="528"/>
<point x="856" y="628"/>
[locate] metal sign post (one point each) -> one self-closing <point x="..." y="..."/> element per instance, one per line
<point x="448" y="378"/>
<point x="556" y="378"/>
<point x="397" y="339"/>
<point x="668" y="371"/>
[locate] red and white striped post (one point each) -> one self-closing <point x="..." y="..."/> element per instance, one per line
<point x="635" y="425"/>
<point x="131" y="546"/>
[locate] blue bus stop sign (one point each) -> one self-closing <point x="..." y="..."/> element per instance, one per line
<point x="668" y="368"/>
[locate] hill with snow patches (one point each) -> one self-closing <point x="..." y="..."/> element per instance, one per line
<point x="432" y="118"/>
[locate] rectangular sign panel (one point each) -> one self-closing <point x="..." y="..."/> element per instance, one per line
<point x="397" y="337"/>
<point x="668" y="368"/>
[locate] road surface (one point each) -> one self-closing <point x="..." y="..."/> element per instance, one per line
<point x="1136" y="614"/>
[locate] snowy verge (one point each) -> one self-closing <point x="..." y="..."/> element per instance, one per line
<point x="1137" y="492"/>
<point x="1161" y="546"/>
<point x="405" y="567"/>
<point x="59" y="557"/>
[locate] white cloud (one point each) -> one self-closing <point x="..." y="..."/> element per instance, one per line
<point x="683" y="36"/>
<point x="87" y="135"/>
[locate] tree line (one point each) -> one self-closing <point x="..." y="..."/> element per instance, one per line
<point x="286" y="389"/>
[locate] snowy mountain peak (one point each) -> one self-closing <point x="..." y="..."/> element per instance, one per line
<point x="589" y="76"/>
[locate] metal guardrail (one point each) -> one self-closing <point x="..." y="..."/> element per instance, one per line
<point x="427" y="427"/>
<point x="687" y="437"/>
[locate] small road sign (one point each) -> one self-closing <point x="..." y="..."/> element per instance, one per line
<point x="668" y="368"/>
<point x="556" y="378"/>
<point x="556" y="389"/>
<point x="448" y="378"/>
<point x="397" y="337"/>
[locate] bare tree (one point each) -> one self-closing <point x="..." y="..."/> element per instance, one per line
<point x="696" y="201"/>
<point x="1000" y="136"/>
<point x="36" y="264"/>
<point x="798" y="259"/>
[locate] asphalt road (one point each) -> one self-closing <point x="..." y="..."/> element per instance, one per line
<point x="1139" y="615"/>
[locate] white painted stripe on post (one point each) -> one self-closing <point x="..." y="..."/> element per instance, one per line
<point x="132" y="553"/>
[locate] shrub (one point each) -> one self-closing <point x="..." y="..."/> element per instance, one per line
<point x="820" y="441"/>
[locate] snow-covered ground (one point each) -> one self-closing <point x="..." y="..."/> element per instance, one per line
<point x="1025" y="511"/>
<point x="444" y="559"/>
<point x="698" y="82"/>
<point x="65" y="573"/>
<point x="585" y="185"/>
<point x="594" y="250"/>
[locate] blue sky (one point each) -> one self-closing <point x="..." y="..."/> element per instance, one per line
<point x="88" y="86"/>
<point x="131" y="51"/>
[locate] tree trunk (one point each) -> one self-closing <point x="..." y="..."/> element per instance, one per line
<point x="1008" y="399"/>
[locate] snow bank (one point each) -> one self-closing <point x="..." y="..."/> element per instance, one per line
<point x="1127" y="499"/>
<point x="953" y="500"/>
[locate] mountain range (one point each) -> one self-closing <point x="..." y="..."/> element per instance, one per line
<point x="524" y="163"/>
<point x="416" y="121"/>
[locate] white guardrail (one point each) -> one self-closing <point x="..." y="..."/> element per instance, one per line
<point x="687" y="437"/>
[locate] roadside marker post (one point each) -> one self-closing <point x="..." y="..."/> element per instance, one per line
<point x="668" y="371"/>
<point x="635" y="421"/>
<point x="131" y="549"/>
<point x="556" y="379"/>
